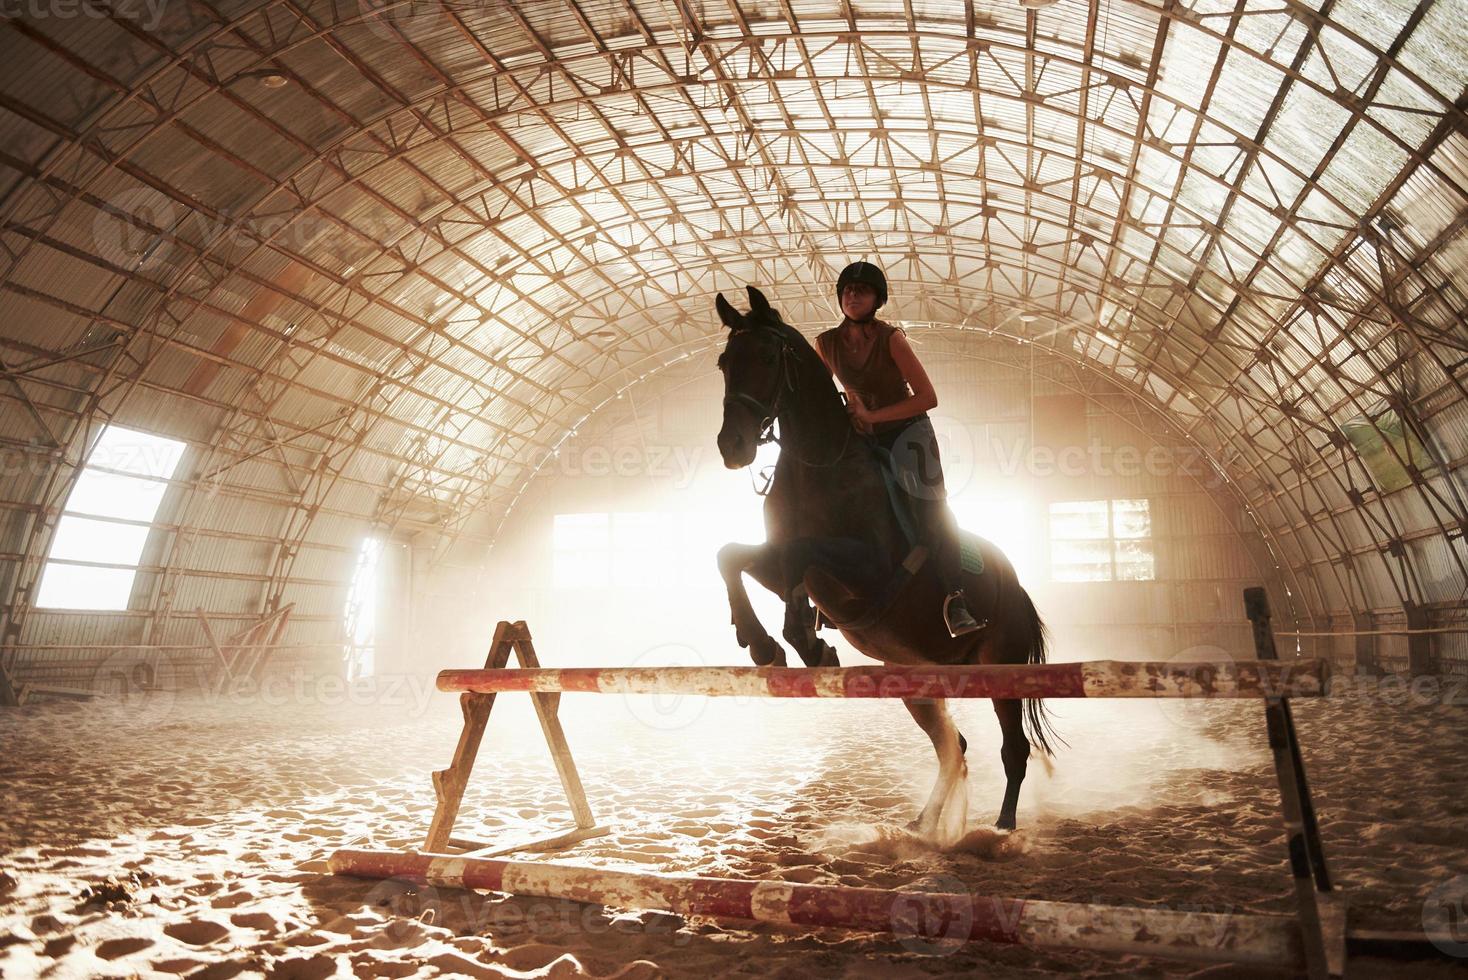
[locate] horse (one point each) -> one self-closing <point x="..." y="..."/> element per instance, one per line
<point x="833" y="538"/>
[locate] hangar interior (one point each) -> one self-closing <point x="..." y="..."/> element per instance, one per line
<point x="330" y="333"/>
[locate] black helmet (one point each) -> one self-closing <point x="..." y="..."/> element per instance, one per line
<point x="863" y="272"/>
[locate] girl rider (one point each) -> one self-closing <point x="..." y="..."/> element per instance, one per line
<point x="888" y="396"/>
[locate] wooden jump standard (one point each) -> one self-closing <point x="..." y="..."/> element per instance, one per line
<point x="1314" y="939"/>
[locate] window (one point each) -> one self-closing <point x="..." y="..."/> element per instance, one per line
<point x="622" y="550"/>
<point x="361" y="612"/>
<point x="1100" y="541"/>
<point x="1385" y="443"/>
<point x="104" y="526"/>
<point x="641" y="549"/>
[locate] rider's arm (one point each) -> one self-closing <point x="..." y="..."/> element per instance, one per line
<point x="922" y="399"/>
<point x="822" y="355"/>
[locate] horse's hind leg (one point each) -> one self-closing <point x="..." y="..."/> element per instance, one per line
<point x="947" y="808"/>
<point x="758" y="560"/>
<point x="1015" y="752"/>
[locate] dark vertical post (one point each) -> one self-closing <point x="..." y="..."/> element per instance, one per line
<point x="9" y="696"/>
<point x="1419" y="645"/>
<point x="1307" y="859"/>
<point x="1367" y="662"/>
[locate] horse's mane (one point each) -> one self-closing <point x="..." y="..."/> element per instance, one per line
<point x="796" y="338"/>
<point x="809" y="359"/>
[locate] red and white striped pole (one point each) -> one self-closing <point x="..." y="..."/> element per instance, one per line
<point x="1092" y="679"/>
<point x="958" y="917"/>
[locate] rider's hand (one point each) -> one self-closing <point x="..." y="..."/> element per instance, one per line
<point x="860" y="419"/>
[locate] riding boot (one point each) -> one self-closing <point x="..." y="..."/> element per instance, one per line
<point x="942" y="533"/>
<point x="956" y="615"/>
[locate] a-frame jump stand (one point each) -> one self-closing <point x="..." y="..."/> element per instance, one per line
<point x="449" y="784"/>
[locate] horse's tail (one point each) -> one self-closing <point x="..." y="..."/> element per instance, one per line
<point x="1038" y="728"/>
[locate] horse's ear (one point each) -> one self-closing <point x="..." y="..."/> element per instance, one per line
<point x="727" y="313"/>
<point x="757" y="302"/>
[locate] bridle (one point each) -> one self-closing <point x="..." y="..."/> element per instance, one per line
<point x="767" y="414"/>
<point x="784" y="380"/>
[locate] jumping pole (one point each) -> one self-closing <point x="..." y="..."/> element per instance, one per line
<point x="1091" y="679"/>
<point x="1262" y="940"/>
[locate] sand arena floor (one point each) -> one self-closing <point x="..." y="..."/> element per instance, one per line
<point x="187" y="837"/>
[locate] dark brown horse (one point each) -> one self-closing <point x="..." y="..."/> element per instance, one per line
<point x="832" y="537"/>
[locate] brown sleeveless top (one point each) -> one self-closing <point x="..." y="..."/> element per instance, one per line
<point x="877" y="380"/>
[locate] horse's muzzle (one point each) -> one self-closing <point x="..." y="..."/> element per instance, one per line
<point x="737" y="449"/>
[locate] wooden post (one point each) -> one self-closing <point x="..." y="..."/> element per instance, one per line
<point x="276" y="635"/>
<point x="1420" y="660"/>
<point x="1322" y="922"/>
<point x="242" y="644"/>
<point x="225" y="673"/>
<point x="449" y="784"/>
<point x="9" y="696"/>
<point x="1367" y="661"/>
<point x="546" y="706"/>
<point x="238" y="645"/>
<point x="12" y="695"/>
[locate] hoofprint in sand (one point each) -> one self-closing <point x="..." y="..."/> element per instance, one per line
<point x="189" y="837"/>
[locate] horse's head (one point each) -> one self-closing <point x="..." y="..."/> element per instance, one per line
<point x="756" y="367"/>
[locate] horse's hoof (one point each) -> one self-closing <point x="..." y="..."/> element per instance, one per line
<point x="917" y="828"/>
<point x="1004" y="822"/>
<point x="820" y="655"/>
<point x="767" y="652"/>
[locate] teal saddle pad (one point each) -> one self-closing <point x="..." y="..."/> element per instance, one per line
<point x="971" y="559"/>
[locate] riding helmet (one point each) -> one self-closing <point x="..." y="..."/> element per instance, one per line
<point x="863" y="272"/>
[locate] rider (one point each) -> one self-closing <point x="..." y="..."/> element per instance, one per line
<point x="888" y="396"/>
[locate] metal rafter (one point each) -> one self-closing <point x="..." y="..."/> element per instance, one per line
<point x="1013" y="213"/>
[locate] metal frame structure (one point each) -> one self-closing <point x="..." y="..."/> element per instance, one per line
<point x="380" y="255"/>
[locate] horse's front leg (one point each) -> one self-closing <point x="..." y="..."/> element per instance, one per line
<point x="800" y="631"/>
<point x="761" y="561"/>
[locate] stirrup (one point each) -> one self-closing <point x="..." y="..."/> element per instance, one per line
<point x="956" y="616"/>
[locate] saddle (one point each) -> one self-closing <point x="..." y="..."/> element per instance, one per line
<point x="971" y="558"/>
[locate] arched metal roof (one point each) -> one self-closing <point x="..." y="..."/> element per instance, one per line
<point x="397" y="248"/>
